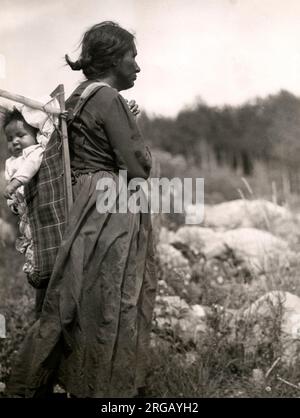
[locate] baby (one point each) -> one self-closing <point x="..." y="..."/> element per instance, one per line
<point x="26" y="153"/>
<point x="27" y="133"/>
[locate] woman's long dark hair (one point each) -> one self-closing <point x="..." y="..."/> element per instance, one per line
<point x="102" y="45"/>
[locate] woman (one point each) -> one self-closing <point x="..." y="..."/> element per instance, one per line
<point x="93" y="333"/>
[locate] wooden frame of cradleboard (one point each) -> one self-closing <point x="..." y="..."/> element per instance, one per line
<point x="59" y="94"/>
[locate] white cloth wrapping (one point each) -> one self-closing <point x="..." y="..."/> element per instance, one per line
<point x="24" y="167"/>
<point x="39" y="119"/>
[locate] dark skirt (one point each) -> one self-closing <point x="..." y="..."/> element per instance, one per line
<point x="94" y="330"/>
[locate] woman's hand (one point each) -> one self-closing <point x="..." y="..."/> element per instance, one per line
<point x="133" y="107"/>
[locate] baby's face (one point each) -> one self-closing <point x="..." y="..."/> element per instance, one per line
<point x="19" y="136"/>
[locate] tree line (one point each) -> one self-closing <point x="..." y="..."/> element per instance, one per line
<point x="262" y="129"/>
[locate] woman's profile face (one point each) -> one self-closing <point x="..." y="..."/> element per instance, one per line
<point x="126" y="70"/>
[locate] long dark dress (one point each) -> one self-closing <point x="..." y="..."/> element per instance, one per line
<point x="94" y="329"/>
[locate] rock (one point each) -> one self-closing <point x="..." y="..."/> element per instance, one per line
<point x="172" y="315"/>
<point x="58" y="389"/>
<point x="191" y="328"/>
<point x="272" y="324"/>
<point x="166" y="236"/>
<point x="198" y="311"/>
<point x="258" y="378"/>
<point x="172" y="306"/>
<point x="191" y="357"/>
<point x="242" y="213"/>
<point x="176" y="271"/>
<point x="200" y="240"/>
<point x="264" y="214"/>
<point x="268" y="328"/>
<point x="227" y="215"/>
<point x="259" y="250"/>
<point x="255" y="250"/>
<point x="220" y="280"/>
<point x="163" y="289"/>
<point x="170" y="257"/>
<point x="289" y="230"/>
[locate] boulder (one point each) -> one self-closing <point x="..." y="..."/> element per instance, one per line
<point x="260" y="251"/>
<point x="173" y="316"/>
<point x="241" y="213"/>
<point x="269" y="328"/>
<point x="172" y="258"/>
<point x="200" y="240"/>
<point x="166" y="236"/>
<point x="271" y="323"/>
<point x="257" y="251"/>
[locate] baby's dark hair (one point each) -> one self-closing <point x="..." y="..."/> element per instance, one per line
<point x="10" y="115"/>
<point x="15" y="114"/>
<point x="102" y="45"/>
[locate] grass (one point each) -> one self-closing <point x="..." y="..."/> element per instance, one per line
<point x="16" y="304"/>
<point x="216" y="366"/>
<point x="215" y="370"/>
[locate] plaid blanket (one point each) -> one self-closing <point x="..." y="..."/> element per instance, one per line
<point x="45" y="198"/>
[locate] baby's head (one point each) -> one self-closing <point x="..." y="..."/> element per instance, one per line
<point x="18" y="133"/>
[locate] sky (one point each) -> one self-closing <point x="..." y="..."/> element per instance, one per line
<point x="219" y="51"/>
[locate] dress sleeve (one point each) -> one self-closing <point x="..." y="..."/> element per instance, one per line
<point x="30" y="165"/>
<point x="130" y="150"/>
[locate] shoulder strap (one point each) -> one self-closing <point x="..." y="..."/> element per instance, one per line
<point x="85" y="95"/>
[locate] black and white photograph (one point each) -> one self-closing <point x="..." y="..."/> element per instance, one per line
<point x="149" y="201"/>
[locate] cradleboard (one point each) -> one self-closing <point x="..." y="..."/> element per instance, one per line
<point x="49" y="193"/>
